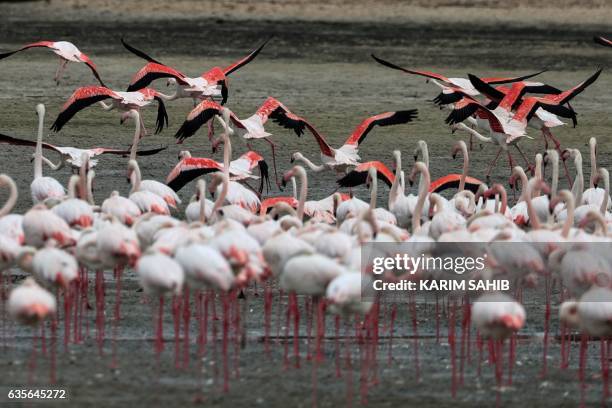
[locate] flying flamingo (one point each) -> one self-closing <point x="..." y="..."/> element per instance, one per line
<point x="603" y="41"/>
<point x="453" y="89"/>
<point x="43" y="187"/>
<point x="66" y="51"/>
<point x="123" y="101"/>
<point x="72" y="155"/>
<point x="249" y="128"/>
<point x="201" y="87"/>
<point x="190" y="168"/>
<point x="345" y="157"/>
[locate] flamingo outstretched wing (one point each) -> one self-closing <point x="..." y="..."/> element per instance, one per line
<point x="359" y="174"/>
<point x="45" y="44"/>
<point x="198" y="116"/>
<point x="152" y="71"/>
<point x="452" y="181"/>
<point x="79" y="100"/>
<point x="138" y="52"/>
<point x="242" y="62"/>
<point x="603" y="41"/>
<point x="382" y="119"/>
<point x="189" y="169"/>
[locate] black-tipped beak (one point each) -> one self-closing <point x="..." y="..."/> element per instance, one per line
<point x="416" y="157"/>
<point x="291" y="161"/>
<point x="454" y="155"/>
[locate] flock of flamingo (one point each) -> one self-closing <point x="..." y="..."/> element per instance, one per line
<point x="219" y="255"/>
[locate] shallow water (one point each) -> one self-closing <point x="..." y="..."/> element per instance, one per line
<point x="322" y="72"/>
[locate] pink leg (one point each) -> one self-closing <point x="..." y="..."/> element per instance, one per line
<point x="211" y="130"/>
<point x="272" y="146"/>
<point x="548" y="134"/>
<point x="529" y="166"/>
<point x="488" y="175"/>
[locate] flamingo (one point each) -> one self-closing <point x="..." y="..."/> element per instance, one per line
<point x="497" y="316"/>
<point x="216" y="272"/>
<point x="66" y="51"/>
<point x="147" y="201"/>
<point x="592" y="313"/>
<point x="29" y="303"/>
<point x="400" y="205"/>
<point x="117" y="245"/>
<point x="603" y="41"/>
<point x="345" y="157"/>
<point x="74" y="210"/>
<point x="43" y="188"/>
<point x="503" y="140"/>
<point x="200" y="87"/>
<point x="200" y="208"/>
<point x="152" y="186"/>
<point x="594" y="195"/>
<point x="41" y="224"/>
<point x="189" y="168"/>
<point x="54" y="266"/>
<point x="249" y="128"/>
<point x="72" y="155"/>
<point x="10" y="224"/>
<point x="159" y="274"/>
<point x="360" y="174"/>
<point x="506" y="100"/>
<point x="123" y="101"/>
<point x="552" y="103"/>
<point x="453" y="89"/>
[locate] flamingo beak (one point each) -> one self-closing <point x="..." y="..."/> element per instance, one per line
<point x="512" y="322"/>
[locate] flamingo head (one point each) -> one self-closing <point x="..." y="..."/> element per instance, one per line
<point x="568" y="313"/>
<point x="40" y="109"/>
<point x="513" y="322"/>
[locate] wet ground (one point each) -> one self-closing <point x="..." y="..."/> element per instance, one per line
<point x="323" y="72"/>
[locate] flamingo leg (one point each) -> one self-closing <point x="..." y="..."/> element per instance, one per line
<point x="211" y="130"/>
<point x="488" y="175"/>
<point x="273" y="146"/>
<point x="143" y="129"/>
<point x="547" y="133"/>
<point x="60" y="70"/>
<point x="528" y="165"/>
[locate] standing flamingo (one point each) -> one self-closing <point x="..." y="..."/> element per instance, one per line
<point x="43" y="187"/>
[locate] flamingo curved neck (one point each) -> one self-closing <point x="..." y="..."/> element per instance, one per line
<point x="73" y="183"/>
<point x="135" y="177"/>
<point x="538" y="173"/>
<point x="604" y="203"/>
<point x="90" y="178"/>
<point x="106" y="106"/>
<point x="504" y="198"/>
<point x="294" y="185"/>
<point x="533" y="216"/>
<point x="518" y="171"/>
<point x="54" y="167"/>
<point x="202" y="192"/>
<point x="466" y="165"/>
<point x="303" y="191"/>
<point x="136" y="138"/>
<point x="393" y="193"/>
<point x="83" y="176"/>
<point x="12" y="199"/>
<point x="38" y="172"/>
<point x="313" y="167"/>
<point x="593" y="152"/>
<point x="578" y="185"/>
<point x="478" y="135"/>
<point x="570" y="206"/>
<point x="225" y="181"/>
<point x="423" y="190"/>
<point x="555" y="172"/>
<point x="373" y="189"/>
